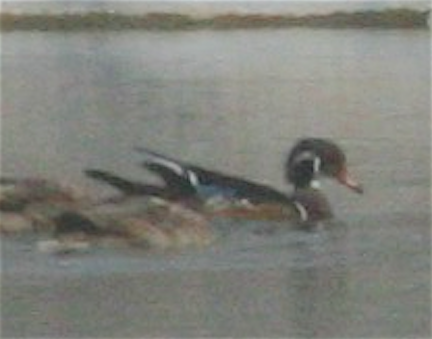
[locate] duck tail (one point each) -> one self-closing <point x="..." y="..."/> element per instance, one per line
<point x="125" y="186"/>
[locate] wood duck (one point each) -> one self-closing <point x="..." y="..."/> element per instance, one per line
<point x="221" y="194"/>
<point x="308" y="161"/>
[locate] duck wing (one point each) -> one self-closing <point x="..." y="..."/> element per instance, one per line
<point x="193" y="177"/>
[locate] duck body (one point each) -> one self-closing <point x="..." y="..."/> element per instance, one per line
<point x="209" y="184"/>
<point x="220" y="194"/>
<point x="228" y="195"/>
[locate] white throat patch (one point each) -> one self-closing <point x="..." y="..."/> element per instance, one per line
<point x="315" y="184"/>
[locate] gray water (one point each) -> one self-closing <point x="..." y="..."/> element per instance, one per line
<point x="234" y="101"/>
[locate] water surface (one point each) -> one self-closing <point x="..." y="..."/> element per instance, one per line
<point x="235" y="101"/>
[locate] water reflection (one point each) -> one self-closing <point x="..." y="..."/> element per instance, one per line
<point x="306" y="302"/>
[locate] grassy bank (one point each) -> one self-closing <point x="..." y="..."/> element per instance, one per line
<point x="394" y="18"/>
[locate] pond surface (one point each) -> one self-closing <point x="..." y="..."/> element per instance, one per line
<point x="234" y="101"/>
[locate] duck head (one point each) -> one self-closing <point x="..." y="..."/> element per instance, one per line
<point x="312" y="158"/>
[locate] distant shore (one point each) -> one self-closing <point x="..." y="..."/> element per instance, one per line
<point x="386" y="19"/>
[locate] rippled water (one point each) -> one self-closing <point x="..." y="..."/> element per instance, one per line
<point x="234" y="101"/>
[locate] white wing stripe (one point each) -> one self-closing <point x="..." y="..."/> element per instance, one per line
<point x="193" y="178"/>
<point x="176" y="168"/>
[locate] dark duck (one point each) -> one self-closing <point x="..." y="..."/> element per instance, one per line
<point x="220" y="194"/>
